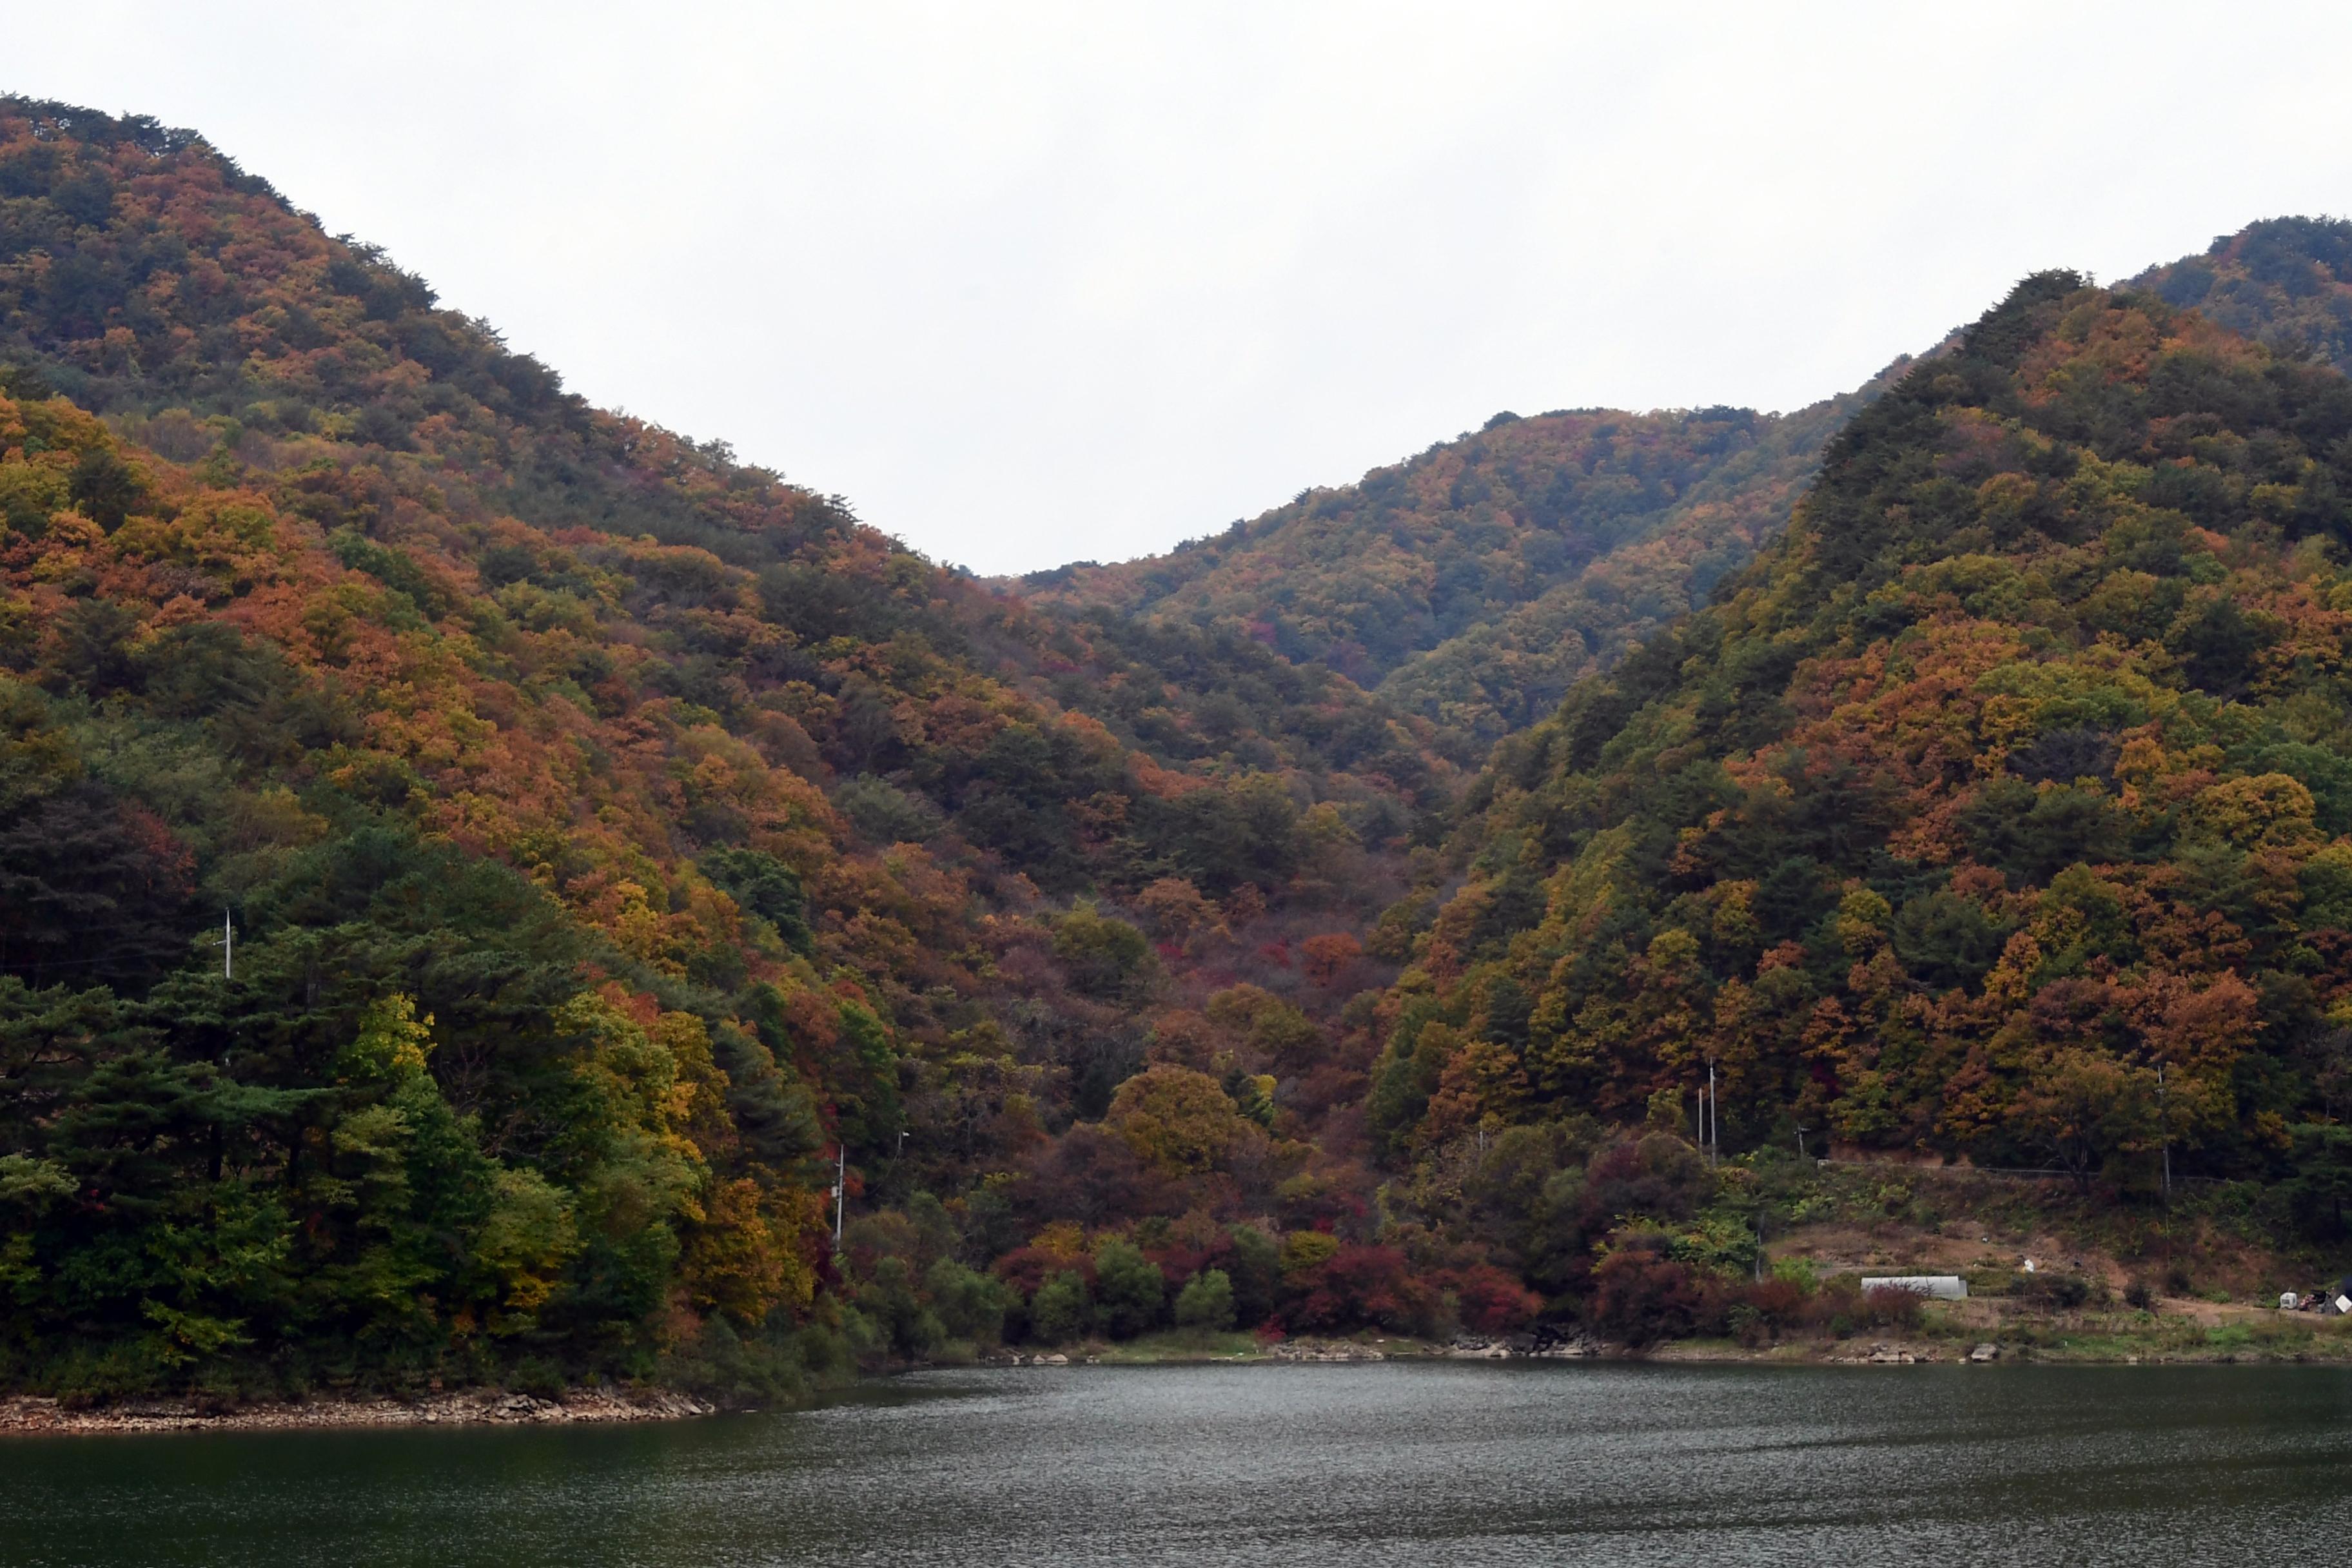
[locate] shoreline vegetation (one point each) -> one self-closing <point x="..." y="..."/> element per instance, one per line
<point x="1978" y="1332"/>
<point x="2058" y="1272"/>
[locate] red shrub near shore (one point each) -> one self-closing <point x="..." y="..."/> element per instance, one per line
<point x="1640" y="1296"/>
<point x="1491" y="1300"/>
<point x="1360" y="1286"/>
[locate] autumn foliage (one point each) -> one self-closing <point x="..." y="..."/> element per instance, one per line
<point x="1998" y="811"/>
<point x="614" y="844"/>
<point x="694" y="831"/>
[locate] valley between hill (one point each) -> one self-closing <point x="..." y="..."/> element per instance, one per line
<point x="476" y="870"/>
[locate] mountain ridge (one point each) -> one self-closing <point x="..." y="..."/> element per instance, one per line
<point x="1460" y="583"/>
<point x="613" y="836"/>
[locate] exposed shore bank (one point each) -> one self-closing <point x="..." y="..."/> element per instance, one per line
<point x="27" y="1415"/>
<point x="1977" y="1334"/>
<point x="2190" y="1333"/>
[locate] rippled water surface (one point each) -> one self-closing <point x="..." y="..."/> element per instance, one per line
<point x="1289" y="1465"/>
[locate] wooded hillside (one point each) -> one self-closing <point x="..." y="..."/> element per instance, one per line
<point x="2015" y="772"/>
<point x="607" y="832"/>
<point x="471" y="864"/>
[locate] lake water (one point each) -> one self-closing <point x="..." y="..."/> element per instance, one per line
<point x="1290" y="1465"/>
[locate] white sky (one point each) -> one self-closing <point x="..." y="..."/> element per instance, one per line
<point x="1029" y="284"/>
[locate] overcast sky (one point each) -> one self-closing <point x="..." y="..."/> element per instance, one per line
<point x="1031" y="283"/>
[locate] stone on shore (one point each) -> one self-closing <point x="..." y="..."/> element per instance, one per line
<point x="470" y="1408"/>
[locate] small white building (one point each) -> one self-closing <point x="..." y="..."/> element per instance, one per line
<point x="1934" y="1287"/>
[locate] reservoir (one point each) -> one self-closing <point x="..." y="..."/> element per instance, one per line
<point x="1290" y="1465"/>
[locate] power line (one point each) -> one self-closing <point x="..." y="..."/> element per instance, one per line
<point x="37" y="964"/>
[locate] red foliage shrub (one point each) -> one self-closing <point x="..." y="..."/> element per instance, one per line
<point x="1355" y="1288"/>
<point x="1640" y="1296"/>
<point x="1758" y="1312"/>
<point x="1180" y="1263"/>
<point x="1491" y="1300"/>
<point x="1779" y="1303"/>
<point x="1888" y="1308"/>
<point x="1026" y="1268"/>
<point x="1842" y="1306"/>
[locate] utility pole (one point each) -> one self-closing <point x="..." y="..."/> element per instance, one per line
<point x="2164" y="1118"/>
<point x="840" y="1188"/>
<point x="228" y="972"/>
<point x="1713" y="1118"/>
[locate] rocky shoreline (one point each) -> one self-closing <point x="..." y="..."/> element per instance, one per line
<point x="25" y="1415"/>
<point x="1465" y="1347"/>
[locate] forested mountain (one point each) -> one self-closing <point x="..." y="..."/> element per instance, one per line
<point x="606" y="832"/>
<point x="470" y="863"/>
<point x="1472" y="584"/>
<point x="2018" y="772"/>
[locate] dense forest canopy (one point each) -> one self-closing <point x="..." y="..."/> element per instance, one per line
<point x="2012" y="775"/>
<point x="471" y="864"/>
<point x="2286" y="283"/>
<point x="606" y="832"/>
<point x="1473" y="584"/>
